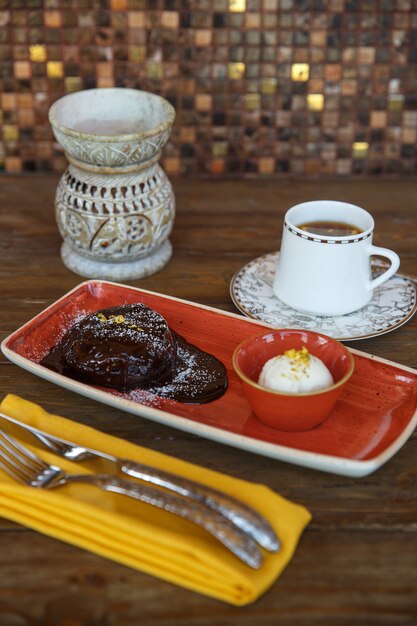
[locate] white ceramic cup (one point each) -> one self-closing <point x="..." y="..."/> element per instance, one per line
<point x="328" y="275"/>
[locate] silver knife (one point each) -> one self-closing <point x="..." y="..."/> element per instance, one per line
<point x="241" y="515"/>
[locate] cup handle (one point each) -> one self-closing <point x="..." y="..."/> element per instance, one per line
<point x="395" y="264"/>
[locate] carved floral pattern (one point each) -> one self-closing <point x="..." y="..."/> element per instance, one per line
<point x="115" y="218"/>
<point x="113" y="154"/>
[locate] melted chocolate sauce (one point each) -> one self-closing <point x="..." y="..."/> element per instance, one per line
<point x="132" y="347"/>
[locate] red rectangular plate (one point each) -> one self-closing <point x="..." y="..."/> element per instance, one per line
<point x="372" y="420"/>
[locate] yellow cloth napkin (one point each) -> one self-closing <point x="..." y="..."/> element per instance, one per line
<point x="136" y="534"/>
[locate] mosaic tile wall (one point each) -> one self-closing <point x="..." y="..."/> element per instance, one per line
<point x="287" y="87"/>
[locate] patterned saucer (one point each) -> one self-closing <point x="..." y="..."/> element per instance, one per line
<point x="392" y="304"/>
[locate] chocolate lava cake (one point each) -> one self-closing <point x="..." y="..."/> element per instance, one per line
<point x="121" y="347"/>
<point x="132" y="347"/>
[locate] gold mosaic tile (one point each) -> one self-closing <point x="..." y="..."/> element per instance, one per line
<point x="315" y="101"/>
<point x="237" y="5"/>
<point x="38" y="53"/>
<point x="360" y="149"/>
<point x="55" y="69"/>
<point x="236" y="71"/>
<point x="300" y="72"/>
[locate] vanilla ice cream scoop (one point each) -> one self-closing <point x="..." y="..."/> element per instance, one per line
<point x="295" y="371"/>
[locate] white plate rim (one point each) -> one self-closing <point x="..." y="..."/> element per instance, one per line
<point x="355" y="468"/>
<point x="385" y="331"/>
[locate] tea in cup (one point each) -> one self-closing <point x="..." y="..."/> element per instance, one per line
<point x="324" y="263"/>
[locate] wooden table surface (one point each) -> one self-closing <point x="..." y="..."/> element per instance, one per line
<point x="357" y="561"/>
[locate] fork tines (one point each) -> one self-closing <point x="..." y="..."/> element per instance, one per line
<point x="17" y="461"/>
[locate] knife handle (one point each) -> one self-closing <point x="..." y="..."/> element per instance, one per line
<point x="241" y="515"/>
<point x="232" y="538"/>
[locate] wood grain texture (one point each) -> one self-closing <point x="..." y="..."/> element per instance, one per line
<point x="356" y="564"/>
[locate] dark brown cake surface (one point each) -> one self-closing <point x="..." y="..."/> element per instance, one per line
<point x="121" y="347"/>
<point x="132" y="346"/>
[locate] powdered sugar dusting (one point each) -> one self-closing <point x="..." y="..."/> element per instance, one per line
<point x="194" y="374"/>
<point x="141" y="396"/>
<point x="132" y="349"/>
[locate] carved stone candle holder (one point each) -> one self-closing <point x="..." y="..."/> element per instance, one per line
<point x="114" y="204"/>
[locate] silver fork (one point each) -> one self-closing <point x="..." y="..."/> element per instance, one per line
<point x="28" y="468"/>
<point x="242" y="516"/>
